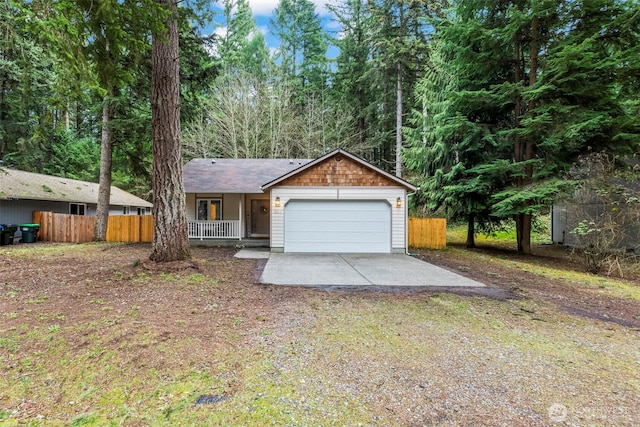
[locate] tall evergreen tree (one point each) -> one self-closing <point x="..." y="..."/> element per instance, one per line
<point x="536" y="65"/>
<point x="351" y="84"/>
<point x="99" y="41"/>
<point x="26" y="73"/>
<point x="170" y="234"/>
<point x="243" y="47"/>
<point x="453" y="130"/>
<point x="399" y="42"/>
<point x="301" y="56"/>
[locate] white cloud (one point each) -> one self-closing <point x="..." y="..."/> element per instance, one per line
<point x="265" y="7"/>
<point x="221" y="31"/>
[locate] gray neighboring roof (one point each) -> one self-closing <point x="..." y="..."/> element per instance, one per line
<point x="353" y="157"/>
<point x="235" y="175"/>
<point x="16" y="184"/>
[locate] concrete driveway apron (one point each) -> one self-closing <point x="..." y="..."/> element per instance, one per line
<point x="357" y="270"/>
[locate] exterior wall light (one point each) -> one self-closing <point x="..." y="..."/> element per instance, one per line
<point x="277" y="202"/>
<point x="399" y="202"/>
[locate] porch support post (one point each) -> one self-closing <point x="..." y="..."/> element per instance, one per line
<point x="240" y="216"/>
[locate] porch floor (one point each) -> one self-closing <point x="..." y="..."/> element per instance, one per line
<point x="245" y="243"/>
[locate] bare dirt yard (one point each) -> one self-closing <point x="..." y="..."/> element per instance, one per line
<point x="94" y="334"/>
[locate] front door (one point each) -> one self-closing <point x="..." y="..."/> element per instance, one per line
<point x="260" y="218"/>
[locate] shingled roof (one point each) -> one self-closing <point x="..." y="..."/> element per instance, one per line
<point x="235" y="175"/>
<point x="16" y="184"/>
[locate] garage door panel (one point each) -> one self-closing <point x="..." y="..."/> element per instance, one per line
<point x="337" y="226"/>
<point x="345" y="237"/>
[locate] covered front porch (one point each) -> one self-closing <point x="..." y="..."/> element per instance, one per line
<point x="235" y="217"/>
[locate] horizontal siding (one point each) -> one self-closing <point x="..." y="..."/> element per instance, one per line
<point x="398" y="226"/>
<point x="191" y="206"/>
<point x="305" y="193"/>
<point x="21" y="211"/>
<point x="369" y="193"/>
<point x="231" y="206"/>
<point x="276" y="232"/>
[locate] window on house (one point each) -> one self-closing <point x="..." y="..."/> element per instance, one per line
<point x="126" y="210"/>
<point x="208" y="209"/>
<point x="144" y="211"/>
<point x="77" y="208"/>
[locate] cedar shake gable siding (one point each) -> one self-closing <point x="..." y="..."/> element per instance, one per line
<point x="339" y="168"/>
<point x="338" y="171"/>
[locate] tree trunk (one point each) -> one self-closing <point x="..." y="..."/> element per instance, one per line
<point x="170" y="233"/>
<point x="471" y="231"/>
<point x="525" y="150"/>
<point x="399" y="123"/>
<point x="524" y="246"/>
<point x="521" y="150"/>
<point x="104" y="187"/>
<point x="67" y="117"/>
<point x="78" y="118"/>
<point x="399" y="101"/>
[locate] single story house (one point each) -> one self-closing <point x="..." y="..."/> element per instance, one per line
<point x="335" y="203"/>
<point x="22" y="192"/>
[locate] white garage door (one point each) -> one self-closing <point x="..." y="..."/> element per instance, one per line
<point x="337" y="226"/>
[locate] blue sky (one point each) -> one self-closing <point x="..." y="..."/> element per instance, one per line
<point x="263" y="12"/>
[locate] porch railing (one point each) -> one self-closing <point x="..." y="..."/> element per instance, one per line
<point x="214" y="229"/>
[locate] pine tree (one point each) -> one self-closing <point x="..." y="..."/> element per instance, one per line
<point x="303" y="47"/>
<point x="243" y="47"/>
<point x="399" y="50"/>
<point x="351" y="85"/>
<point x="453" y="129"/>
<point x="170" y="235"/>
<point x="541" y="79"/>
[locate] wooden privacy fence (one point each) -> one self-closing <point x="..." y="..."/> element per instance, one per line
<point x="130" y="228"/>
<point x="57" y="227"/>
<point x="428" y="233"/>
<point x="63" y="228"/>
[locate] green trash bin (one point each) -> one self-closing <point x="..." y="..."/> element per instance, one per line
<point x="6" y="233"/>
<point x="29" y="232"/>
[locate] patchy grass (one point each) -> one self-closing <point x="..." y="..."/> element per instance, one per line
<point x="90" y="337"/>
<point x="568" y="271"/>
